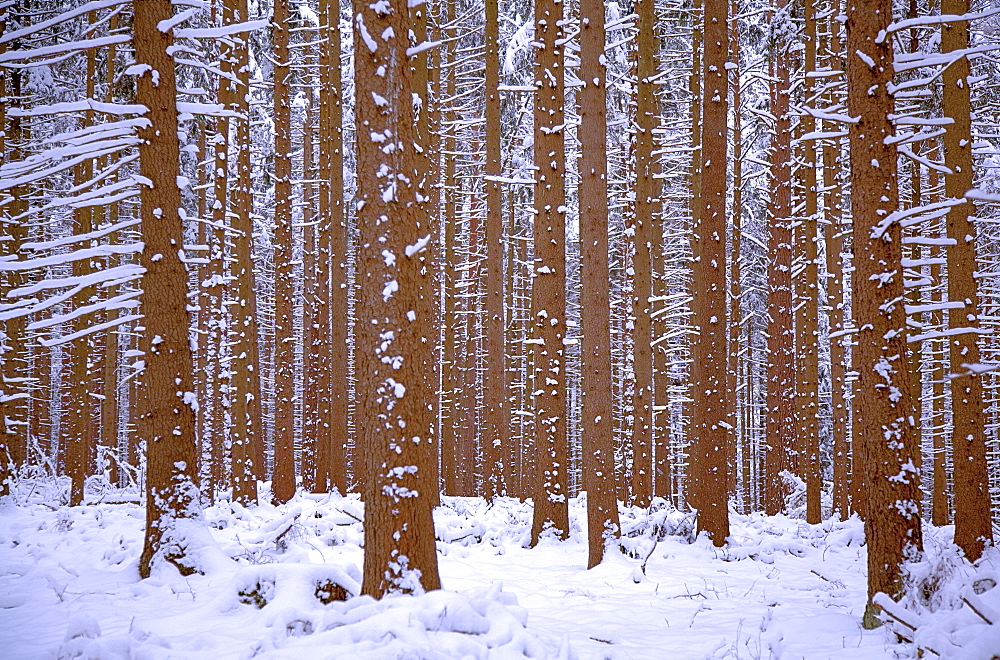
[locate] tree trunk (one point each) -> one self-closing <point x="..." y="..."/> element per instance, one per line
<point x="168" y="423"/>
<point x="247" y="431"/>
<point x="283" y="480"/>
<point x="780" y="427"/>
<point x="495" y="436"/>
<point x="548" y="292"/>
<point x="884" y="437"/>
<point x="397" y="419"/>
<point x="647" y="198"/>
<point x="711" y="392"/>
<point x="809" y="282"/>
<point x="972" y="498"/>
<point x="595" y="294"/>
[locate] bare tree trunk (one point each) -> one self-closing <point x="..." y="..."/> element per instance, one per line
<point x="79" y="427"/>
<point x="427" y="157"/>
<point x="397" y="418"/>
<point x="247" y="428"/>
<point x="168" y="423"/>
<point x="549" y="287"/>
<point x="13" y="399"/>
<point x="283" y="481"/>
<point x="809" y="282"/>
<point x="711" y="393"/>
<point x="646" y="201"/>
<point x="973" y="528"/>
<point x="495" y="431"/>
<point x="780" y="429"/>
<point x="595" y="289"/>
<point x="884" y="436"/>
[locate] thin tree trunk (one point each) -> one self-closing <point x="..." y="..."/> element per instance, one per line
<point x="780" y="426"/>
<point x="495" y="432"/>
<point x="247" y="431"/>
<point x="283" y="480"/>
<point x="809" y="282"/>
<point x="646" y="201"/>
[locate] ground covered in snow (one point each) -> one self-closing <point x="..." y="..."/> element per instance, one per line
<point x="782" y="589"/>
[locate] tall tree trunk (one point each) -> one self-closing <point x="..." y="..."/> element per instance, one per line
<point x="397" y="418"/>
<point x="495" y="431"/>
<point x="646" y="201"/>
<point x="884" y="437"/>
<point x="780" y="426"/>
<point x="333" y="238"/>
<point x="809" y="281"/>
<point x="168" y="423"/>
<point x="427" y="157"/>
<point x="283" y="481"/>
<point x="79" y="427"/>
<point x="247" y="431"/>
<point x="548" y="303"/>
<point x="741" y="460"/>
<point x="595" y="289"/>
<point x="711" y="392"/>
<point x="13" y="397"/>
<point x="973" y="528"/>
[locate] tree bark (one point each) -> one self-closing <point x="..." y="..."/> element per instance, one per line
<point x="780" y="425"/>
<point x="711" y="392"/>
<point x="397" y="416"/>
<point x="548" y="293"/>
<point x="168" y="425"/>
<point x="595" y="293"/>
<point x="884" y="437"/>
<point x="973" y="529"/>
<point x="283" y="480"/>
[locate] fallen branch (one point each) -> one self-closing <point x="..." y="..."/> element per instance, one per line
<point x="976" y="610"/>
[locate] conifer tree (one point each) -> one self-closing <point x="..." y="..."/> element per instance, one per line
<point x="884" y="436"/>
<point x="168" y="417"/>
<point x="397" y="414"/>
<point x="973" y="528"/>
<point x="595" y="295"/>
<point x="712" y="407"/>
<point x="548" y="293"/>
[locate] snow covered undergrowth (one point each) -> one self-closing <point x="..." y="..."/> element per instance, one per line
<point x="782" y="589"/>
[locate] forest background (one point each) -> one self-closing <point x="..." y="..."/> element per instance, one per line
<point x="766" y="320"/>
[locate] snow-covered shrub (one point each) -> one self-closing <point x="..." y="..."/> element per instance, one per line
<point x="950" y="606"/>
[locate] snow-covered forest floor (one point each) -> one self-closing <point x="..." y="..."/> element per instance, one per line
<point x="69" y="587"/>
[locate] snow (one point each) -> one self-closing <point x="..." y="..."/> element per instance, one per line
<point x="781" y="588"/>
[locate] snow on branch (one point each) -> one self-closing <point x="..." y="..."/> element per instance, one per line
<point x="67" y="47"/>
<point x="69" y="257"/>
<point x="105" y="275"/>
<point x="41" y="166"/>
<point x="221" y="31"/>
<point x="915" y="215"/>
<point x="908" y="61"/>
<point x="124" y="301"/>
<point x="927" y="21"/>
<point x="982" y="196"/>
<point x="78" y="106"/>
<point x="951" y="332"/>
<point x="121" y="320"/>
<point x="61" y="18"/>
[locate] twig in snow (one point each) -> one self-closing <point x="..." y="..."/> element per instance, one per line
<point x="978" y="613"/>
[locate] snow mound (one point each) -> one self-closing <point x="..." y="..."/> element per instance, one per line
<point x="951" y="607"/>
